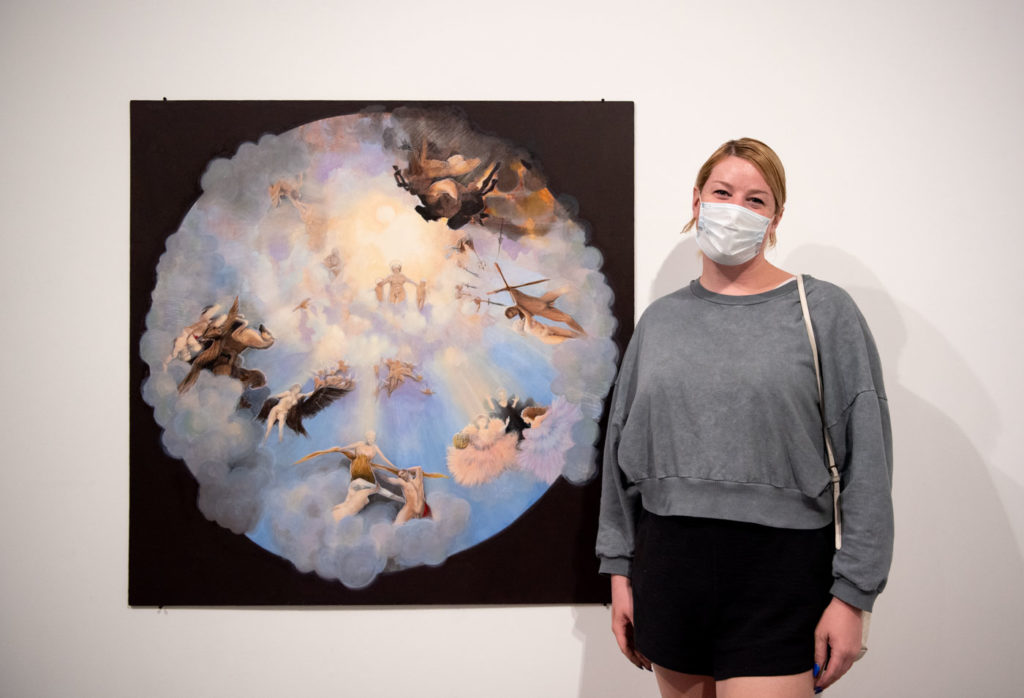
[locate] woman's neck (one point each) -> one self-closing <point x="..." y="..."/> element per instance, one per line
<point x="755" y="276"/>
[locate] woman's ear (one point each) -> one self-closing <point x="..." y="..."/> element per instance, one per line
<point x="776" y="219"/>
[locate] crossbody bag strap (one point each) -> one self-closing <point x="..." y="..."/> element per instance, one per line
<point x="832" y="469"/>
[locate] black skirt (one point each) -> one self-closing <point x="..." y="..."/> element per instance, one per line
<point x="725" y="598"/>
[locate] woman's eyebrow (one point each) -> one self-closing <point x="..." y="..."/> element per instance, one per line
<point x="727" y="185"/>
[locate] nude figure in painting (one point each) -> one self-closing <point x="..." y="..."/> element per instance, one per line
<point x="188" y="344"/>
<point x="411" y="482"/>
<point x="395" y="283"/>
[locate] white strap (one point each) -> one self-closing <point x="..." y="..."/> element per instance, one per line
<point x="833" y="470"/>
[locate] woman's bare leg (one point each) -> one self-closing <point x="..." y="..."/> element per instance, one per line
<point x="675" y="684"/>
<point x="792" y="686"/>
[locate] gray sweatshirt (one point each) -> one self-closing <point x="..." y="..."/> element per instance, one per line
<point x="715" y="414"/>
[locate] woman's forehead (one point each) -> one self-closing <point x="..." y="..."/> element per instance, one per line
<point x="736" y="170"/>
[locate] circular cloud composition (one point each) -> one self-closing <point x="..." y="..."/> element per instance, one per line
<point x="376" y="340"/>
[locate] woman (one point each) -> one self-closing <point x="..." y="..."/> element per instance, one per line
<point x="716" y="511"/>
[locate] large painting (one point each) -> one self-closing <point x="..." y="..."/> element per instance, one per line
<point x="372" y="346"/>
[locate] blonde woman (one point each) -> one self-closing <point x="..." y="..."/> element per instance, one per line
<point x="717" y="511"/>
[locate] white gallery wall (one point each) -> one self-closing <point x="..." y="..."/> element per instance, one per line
<point x="901" y="126"/>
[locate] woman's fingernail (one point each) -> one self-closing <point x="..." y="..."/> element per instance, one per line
<point x="818" y="689"/>
<point x="817" y="670"/>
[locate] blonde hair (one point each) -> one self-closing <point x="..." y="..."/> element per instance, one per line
<point x="760" y="156"/>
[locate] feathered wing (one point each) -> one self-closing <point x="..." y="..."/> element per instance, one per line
<point x="309" y="406"/>
<point x="203" y="359"/>
<point x="319" y="399"/>
<point x="208" y="355"/>
<point x="268" y="405"/>
<point x="337" y="449"/>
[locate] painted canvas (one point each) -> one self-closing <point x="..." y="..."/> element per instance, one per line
<point x="377" y="341"/>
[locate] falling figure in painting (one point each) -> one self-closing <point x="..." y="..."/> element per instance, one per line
<point x="336" y="377"/>
<point x="411" y="482"/>
<point x="288" y="408"/>
<point x="526" y="307"/>
<point x="396" y="282"/>
<point x="188" y="344"/>
<point x="460" y="251"/>
<point x="442" y="188"/>
<point x="310" y="216"/>
<point x="508" y="410"/>
<point x="461" y="293"/>
<point x="549" y="334"/>
<point x="397" y="372"/>
<point x="224" y="341"/>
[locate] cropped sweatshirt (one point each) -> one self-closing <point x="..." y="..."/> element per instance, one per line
<point x="715" y="414"/>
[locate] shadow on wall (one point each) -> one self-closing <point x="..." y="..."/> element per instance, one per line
<point x="680" y="267"/>
<point x="948" y="621"/>
<point x="604" y="672"/>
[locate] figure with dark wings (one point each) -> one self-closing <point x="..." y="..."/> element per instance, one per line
<point x="223" y="344"/>
<point x="445" y="187"/>
<point x="289" y="408"/>
<point x="187" y="344"/>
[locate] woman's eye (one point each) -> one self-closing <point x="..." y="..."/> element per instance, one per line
<point x="721" y="192"/>
<point x="755" y="200"/>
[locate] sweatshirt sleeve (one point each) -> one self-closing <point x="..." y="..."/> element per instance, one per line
<point x="620" y="500"/>
<point x="861" y="566"/>
<point x="857" y="414"/>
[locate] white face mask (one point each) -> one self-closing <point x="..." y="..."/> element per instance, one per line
<point x="729" y="234"/>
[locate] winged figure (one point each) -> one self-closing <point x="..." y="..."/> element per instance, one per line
<point x="223" y="342"/>
<point x="291" y="406"/>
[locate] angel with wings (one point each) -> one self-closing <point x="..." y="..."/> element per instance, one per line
<point x="223" y="342"/>
<point x="288" y="408"/>
<point x="187" y="344"/>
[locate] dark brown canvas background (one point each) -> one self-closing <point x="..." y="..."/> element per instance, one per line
<point x="176" y="556"/>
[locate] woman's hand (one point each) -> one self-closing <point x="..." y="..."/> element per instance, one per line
<point x="836" y="642"/>
<point x="622" y="621"/>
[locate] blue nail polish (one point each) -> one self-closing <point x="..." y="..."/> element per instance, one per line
<point x="818" y="689"/>
<point x="816" y="670"/>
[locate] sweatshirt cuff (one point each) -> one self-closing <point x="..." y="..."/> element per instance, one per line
<point x="615" y="565"/>
<point x="844" y="591"/>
